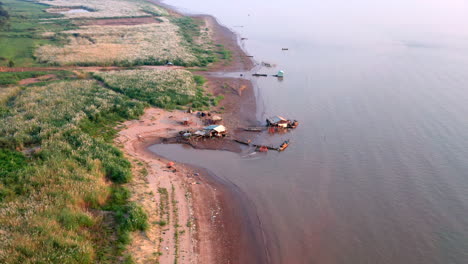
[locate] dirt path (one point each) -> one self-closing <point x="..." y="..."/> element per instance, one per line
<point x="88" y="69"/>
<point x="162" y="191"/>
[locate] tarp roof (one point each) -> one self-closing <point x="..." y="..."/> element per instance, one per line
<point x="217" y="128"/>
<point x="200" y="133"/>
<point x="276" y="119"/>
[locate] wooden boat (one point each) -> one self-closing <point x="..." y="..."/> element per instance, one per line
<point x="263" y="149"/>
<point x="254" y="129"/>
<point x="242" y="142"/>
<point x="293" y="124"/>
<point x="284" y="145"/>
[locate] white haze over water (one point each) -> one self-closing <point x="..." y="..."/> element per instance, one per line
<point x="377" y="169"/>
<point x="430" y="23"/>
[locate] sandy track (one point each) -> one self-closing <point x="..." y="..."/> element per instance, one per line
<point x="88" y="69"/>
<point x="160" y="241"/>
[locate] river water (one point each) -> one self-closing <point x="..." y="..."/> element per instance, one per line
<point x="378" y="168"/>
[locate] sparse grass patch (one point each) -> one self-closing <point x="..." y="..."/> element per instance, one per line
<point x="164" y="204"/>
<point x="217" y="99"/>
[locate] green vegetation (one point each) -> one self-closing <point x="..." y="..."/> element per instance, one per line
<point x="62" y="181"/>
<point x="55" y="166"/>
<point x="167" y="89"/>
<point x="164" y="205"/>
<point x="217" y="99"/>
<point x="26" y="30"/>
<point x="177" y="233"/>
<point x="224" y="53"/>
<point x="30" y="36"/>
<point x="7" y="78"/>
<point x="197" y="40"/>
<point x="4" y="16"/>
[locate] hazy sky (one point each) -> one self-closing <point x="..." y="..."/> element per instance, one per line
<point x="441" y="22"/>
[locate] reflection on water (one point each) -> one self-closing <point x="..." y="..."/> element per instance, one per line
<point x="377" y="171"/>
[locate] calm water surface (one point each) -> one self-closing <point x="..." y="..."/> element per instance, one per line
<point x="378" y="169"/>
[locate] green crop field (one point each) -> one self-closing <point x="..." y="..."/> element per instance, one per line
<point x="23" y="32"/>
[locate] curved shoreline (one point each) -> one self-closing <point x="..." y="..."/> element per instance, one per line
<point x="242" y="238"/>
<point x="236" y="236"/>
<point x="227" y="228"/>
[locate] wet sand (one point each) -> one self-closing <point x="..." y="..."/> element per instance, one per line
<point x="227" y="229"/>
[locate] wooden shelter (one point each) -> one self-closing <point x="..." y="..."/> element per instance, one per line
<point x="277" y="121"/>
<point x="215" y="131"/>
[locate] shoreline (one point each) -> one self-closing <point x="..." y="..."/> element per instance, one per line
<point x="235" y="236"/>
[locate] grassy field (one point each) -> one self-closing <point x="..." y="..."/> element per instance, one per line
<point x="107" y="8"/>
<point x="60" y="194"/>
<point x="34" y="35"/>
<point x="8" y="78"/>
<point x="162" y="88"/>
<point x="149" y="44"/>
<point x="62" y="181"/>
<point x="24" y="32"/>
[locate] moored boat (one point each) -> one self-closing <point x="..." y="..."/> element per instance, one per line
<point x="283" y="146"/>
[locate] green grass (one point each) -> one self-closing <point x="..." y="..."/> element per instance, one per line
<point x="8" y="78"/>
<point x="23" y="32"/>
<point x="190" y="30"/>
<point x="162" y="88"/>
<point x="4" y="16"/>
<point x="46" y="196"/>
<point x="217" y="99"/>
<point x="224" y="53"/>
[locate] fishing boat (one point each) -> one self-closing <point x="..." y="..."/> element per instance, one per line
<point x="263" y="149"/>
<point x="283" y="146"/>
<point x="293" y="124"/>
<point x="254" y="129"/>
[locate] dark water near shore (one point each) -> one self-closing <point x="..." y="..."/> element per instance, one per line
<point x="378" y="169"/>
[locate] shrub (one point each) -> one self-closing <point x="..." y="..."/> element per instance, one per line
<point x="117" y="173"/>
<point x="133" y="218"/>
<point x="72" y="220"/>
<point x="10" y="162"/>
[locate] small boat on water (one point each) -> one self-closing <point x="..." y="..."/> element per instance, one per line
<point x="254" y="129"/>
<point x="263" y="149"/>
<point x="260" y="74"/>
<point x="284" y="145"/>
<point x="279" y="121"/>
<point x="293" y="124"/>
